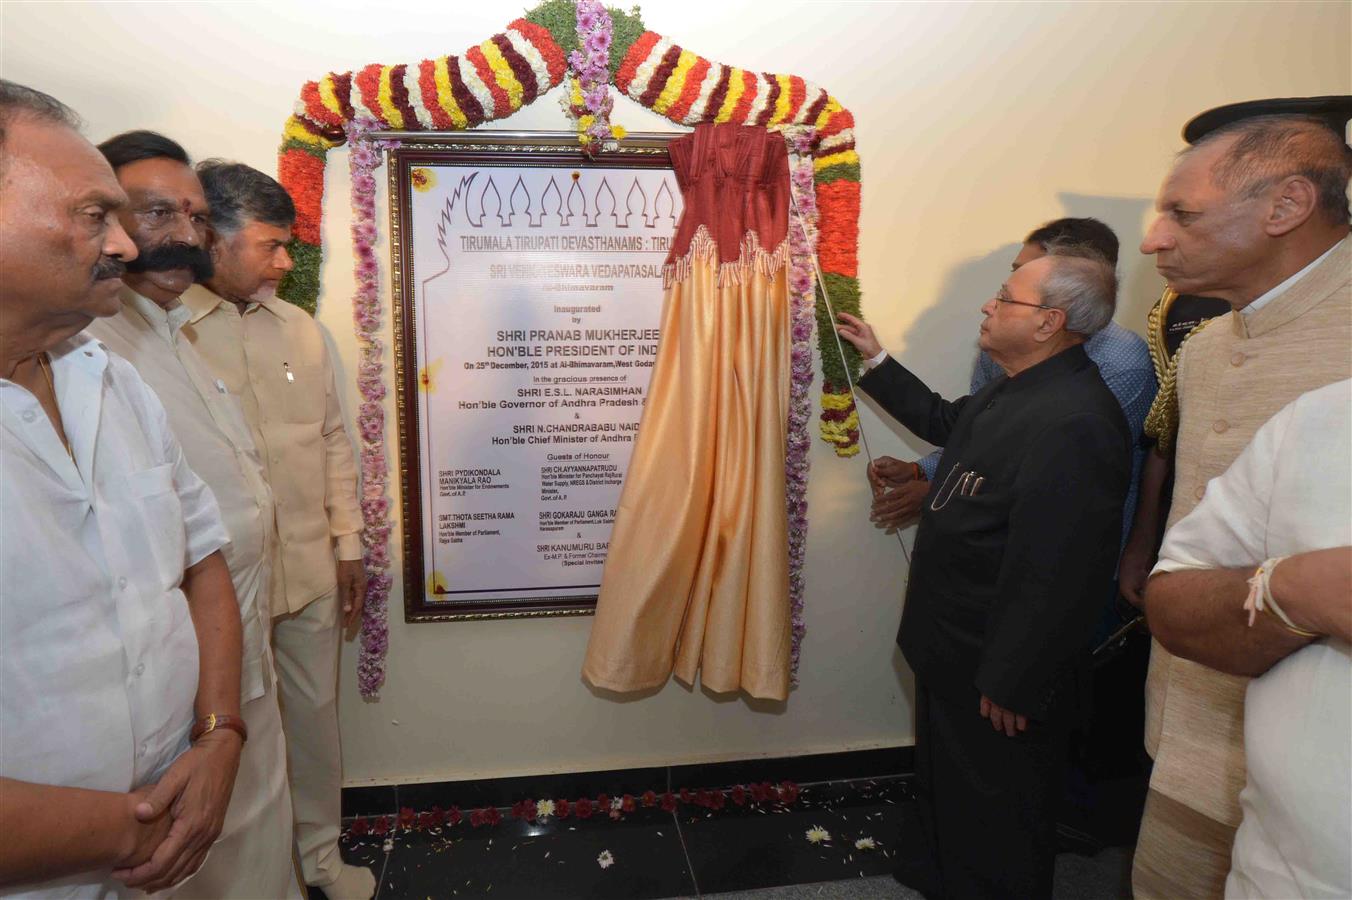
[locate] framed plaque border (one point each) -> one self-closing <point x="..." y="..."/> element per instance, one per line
<point x="502" y="149"/>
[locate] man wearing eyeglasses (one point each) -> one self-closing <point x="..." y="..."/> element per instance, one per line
<point x="1017" y="545"/>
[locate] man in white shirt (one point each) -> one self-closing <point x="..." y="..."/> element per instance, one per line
<point x="166" y="219"/>
<point x="1274" y="534"/>
<point x="118" y="623"/>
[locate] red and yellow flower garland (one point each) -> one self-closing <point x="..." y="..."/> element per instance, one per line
<point x="509" y="70"/>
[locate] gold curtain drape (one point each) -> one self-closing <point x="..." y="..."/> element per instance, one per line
<point x="696" y="579"/>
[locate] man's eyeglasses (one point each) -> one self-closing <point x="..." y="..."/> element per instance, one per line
<point x="1002" y="299"/>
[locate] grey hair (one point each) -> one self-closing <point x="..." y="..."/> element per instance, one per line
<point x="1268" y="149"/>
<point x="17" y="100"/>
<point x="240" y="194"/>
<point x="1083" y="285"/>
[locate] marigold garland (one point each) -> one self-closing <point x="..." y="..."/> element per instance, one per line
<point x="494" y="79"/>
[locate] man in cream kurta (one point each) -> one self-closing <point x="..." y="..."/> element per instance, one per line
<point x="273" y="356"/>
<point x="1281" y="258"/>
<point x="252" y="856"/>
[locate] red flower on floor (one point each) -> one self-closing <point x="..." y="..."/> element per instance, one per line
<point x="492" y="816"/>
<point x="603" y="803"/>
<point x="358" y="827"/>
<point x="668" y="802"/>
<point x="583" y="808"/>
<point x="562" y="808"/>
<point x="649" y="799"/>
<point x="717" y="800"/>
<point x="406" y="817"/>
<point x="759" y="793"/>
<point x="788" y="792"/>
<point x="428" y="820"/>
<point x="381" y="825"/>
<point x="685" y="795"/>
<point x="476" y="817"/>
<point x="627" y="803"/>
<point x="739" y="795"/>
<point x="453" y="816"/>
<point x="704" y="798"/>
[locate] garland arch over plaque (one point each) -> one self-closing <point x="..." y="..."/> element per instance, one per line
<point x="488" y="82"/>
<point x="493" y="79"/>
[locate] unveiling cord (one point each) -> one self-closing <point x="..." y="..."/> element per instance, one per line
<point x="840" y="348"/>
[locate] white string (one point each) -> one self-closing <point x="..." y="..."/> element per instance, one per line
<point x="840" y="348"/>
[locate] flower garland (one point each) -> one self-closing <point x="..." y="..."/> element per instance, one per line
<point x="764" y="793"/>
<point x="495" y="78"/>
<point x="492" y="80"/>
<point x="588" y="101"/>
<point x="366" y="156"/>
<point x="802" y="296"/>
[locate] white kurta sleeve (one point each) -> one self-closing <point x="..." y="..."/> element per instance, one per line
<point x="1228" y="528"/>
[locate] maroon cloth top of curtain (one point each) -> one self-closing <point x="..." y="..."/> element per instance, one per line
<point x="734" y="179"/>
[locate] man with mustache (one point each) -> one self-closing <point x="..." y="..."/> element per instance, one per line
<point x="273" y="355"/>
<point x="118" y="623"/>
<point x="166" y="218"/>
<point x="1254" y="213"/>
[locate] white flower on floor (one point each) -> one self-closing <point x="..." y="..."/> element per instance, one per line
<point x="388" y="846"/>
<point x="606" y="859"/>
<point x="817" y="834"/>
<point x="865" y="843"/>
<point x="544" y="808"/>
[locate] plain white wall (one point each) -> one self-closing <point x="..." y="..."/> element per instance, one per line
<point x="976" y="122"/>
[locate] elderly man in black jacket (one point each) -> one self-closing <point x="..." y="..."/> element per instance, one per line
<point x="1016" y="546"/>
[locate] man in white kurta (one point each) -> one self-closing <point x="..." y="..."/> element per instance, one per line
<point x="118" y="621"/>
<point x="252" y="857"/>
<point x="1289" y="493"/>
<point x="98" y="658"/>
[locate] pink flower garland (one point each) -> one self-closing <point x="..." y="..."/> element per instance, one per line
<point x="365" y="157"/>
<point x="588" y="100"/>
<point x="802" y="318"/>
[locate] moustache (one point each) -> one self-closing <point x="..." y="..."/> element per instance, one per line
<point x="174" y="256"/>
<point x="109" y="267"/>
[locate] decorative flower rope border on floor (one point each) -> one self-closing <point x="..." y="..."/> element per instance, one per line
<point x="763" y="794"/>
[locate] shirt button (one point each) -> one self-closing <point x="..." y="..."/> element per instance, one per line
<point x="1238" y="359"/>
<point x="1220" y="426"/>
<point x="1199" y="492"/>
<point x="29" y="415"/>
<point x="122" y="583"/>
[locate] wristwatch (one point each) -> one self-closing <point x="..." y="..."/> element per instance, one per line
<point x="210" y="722"/>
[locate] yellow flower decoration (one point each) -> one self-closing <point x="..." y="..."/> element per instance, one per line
<point x="423" y="180"/>
<point x="838" y="401"/>
<point x="618" y="131"/>
<point x="427" y="376"/>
